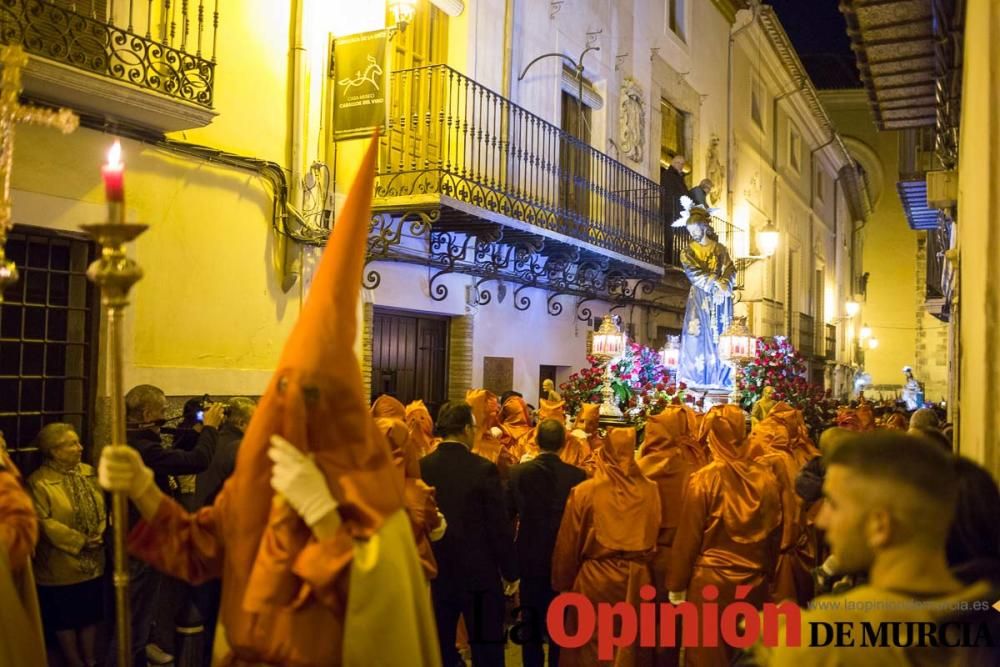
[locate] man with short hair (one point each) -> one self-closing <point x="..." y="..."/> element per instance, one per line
<point x="700" y="193"/>
<point x="145" y="413"/>
<point x="889" y="502"/>
<point x="477" y="550"/>
<point x="538" y="490"/>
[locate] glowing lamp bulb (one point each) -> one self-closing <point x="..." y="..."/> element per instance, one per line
<point x="865" y="333"/>
<point x="852" y="308"/>
<point x="872" y="343"/>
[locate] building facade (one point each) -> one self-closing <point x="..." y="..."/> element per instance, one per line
<point x="518" y="197"/>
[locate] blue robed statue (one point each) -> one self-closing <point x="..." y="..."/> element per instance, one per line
<point x="709" y="311"/>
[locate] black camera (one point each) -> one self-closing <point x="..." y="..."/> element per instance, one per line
<point x="196" y="408"/>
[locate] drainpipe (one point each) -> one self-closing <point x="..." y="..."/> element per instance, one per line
<point x="291" y="253"/>
<point x="508" y="47"/>
<point x="730" y="138"/>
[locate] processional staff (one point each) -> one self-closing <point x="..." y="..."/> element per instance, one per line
<point x="115" y="274"/>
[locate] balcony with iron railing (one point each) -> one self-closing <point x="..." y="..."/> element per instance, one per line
<point x="938" y="278"/>
<point x="916" y="158"/>
<point x="454" y="144"/>
<point x="145" y="62"/>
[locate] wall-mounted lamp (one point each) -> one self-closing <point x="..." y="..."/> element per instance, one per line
<point x="872" y="343"/>
<point x="768" y="238"/>
<point x="865" y="333"/>
<point x="852" y="308"/>
<point x="402" y="12"/>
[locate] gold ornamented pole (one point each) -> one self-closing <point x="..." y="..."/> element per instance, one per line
<point x="115" y="274"/>
<point x="13" y="60"/>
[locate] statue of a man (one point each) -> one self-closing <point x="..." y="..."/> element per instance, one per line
<point x="709" y="309"/>
<point x="763" y="406"/>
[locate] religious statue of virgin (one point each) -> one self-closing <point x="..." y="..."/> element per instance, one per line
<point x="709" y="308"/>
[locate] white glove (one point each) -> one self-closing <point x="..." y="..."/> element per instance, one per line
<point x="677" y="598"/>
<point x="579" y="434"/>
<point x="297" y="477"/>
<point x="496" y="432"/>
<point x="438" y="532"/>
<point x="121" y="469"/>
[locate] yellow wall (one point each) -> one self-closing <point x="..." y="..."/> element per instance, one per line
<point x="888" y="255"/>
<point x="209" y="314"/>
<point x="978" y="238"/>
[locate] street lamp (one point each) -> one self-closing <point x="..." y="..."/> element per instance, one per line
<point x="767" y="239"/>
<point x="872" y="343"/>
<point x="852" y="308"/>
<point x="865" y="333"/>
<point x="608" y="344"/>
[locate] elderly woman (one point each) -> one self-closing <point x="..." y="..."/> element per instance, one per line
<point x="69" y="560"/>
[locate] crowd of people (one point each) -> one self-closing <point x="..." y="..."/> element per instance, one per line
<point x="509" y="506"/>
<point x="351" y="534"/>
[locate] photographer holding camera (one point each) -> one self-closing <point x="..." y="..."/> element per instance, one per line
<point x="145" y="414"/>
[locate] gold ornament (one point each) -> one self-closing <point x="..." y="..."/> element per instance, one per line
<point x="13" y="59"/>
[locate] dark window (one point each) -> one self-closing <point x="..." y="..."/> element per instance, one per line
<point x="47" y="337"/>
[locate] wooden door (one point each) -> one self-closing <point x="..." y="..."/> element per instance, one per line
<point x="410" y="356"/>
<point x="416" y="92"/>
<point x="574" y="156"/>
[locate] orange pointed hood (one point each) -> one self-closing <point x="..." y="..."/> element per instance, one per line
<point x="514" y="418"/>
<point x="418" y="418"/>
<point x="485" y="408"/>
<point x="316" y="401"/>
<point x="589" y="418"/>
<point x="552" y="410"/>
<point x="388" y="407"/>
<point x="751" y="508"/>
<point x="673" y="428"/>
<point x="626" y="504"/>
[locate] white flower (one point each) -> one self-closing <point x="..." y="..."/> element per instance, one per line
<point x="694" y="327"/>
<point x="699" y="363"/>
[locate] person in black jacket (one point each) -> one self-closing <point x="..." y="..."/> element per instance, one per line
<point x="538" y="490"/>
<point x="477" y="550"/>
<point x="145" y="413"/>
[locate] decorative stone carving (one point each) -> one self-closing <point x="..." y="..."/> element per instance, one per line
<point x="632" y="120"/>
<point x="714" y="170"/>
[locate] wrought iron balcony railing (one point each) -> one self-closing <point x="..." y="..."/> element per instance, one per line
<point x="450" y="136"/>
<point x="167" y="46"/>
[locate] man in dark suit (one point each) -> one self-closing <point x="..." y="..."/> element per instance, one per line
<point x="477" y="550"/>
<point x="674" y="187"/>
<point x="538" y="491"/>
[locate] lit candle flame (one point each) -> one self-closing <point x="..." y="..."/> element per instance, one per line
<point x="115" y="155"/>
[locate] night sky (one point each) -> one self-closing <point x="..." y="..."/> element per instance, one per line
<point x="819" y="33"/>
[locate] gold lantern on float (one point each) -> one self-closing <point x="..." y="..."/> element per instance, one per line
<point x="608" y="344"/>
<point x="736" y="347"/>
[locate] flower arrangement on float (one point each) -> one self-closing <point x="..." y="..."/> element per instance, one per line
<point x="642" y="386"/>
<point x="779" y="365"/>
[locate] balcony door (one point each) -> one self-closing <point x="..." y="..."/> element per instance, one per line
<point x="410" y="356"/>
<point x="574" y="158"/>
<point x="415" y="135"/>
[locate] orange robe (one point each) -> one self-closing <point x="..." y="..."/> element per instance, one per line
<point x="792" y="578"/>
<point x="486" y="410"/>
<point x="729" y="527"/>
<point x="515" y="423"/>
<point x="668" y="456"/>
<point x="606" y="541"/>
<point x="418" y="498"/>
<point x="21" y="638"/>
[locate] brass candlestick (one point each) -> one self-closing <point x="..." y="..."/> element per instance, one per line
<point x="115" y="274"/>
